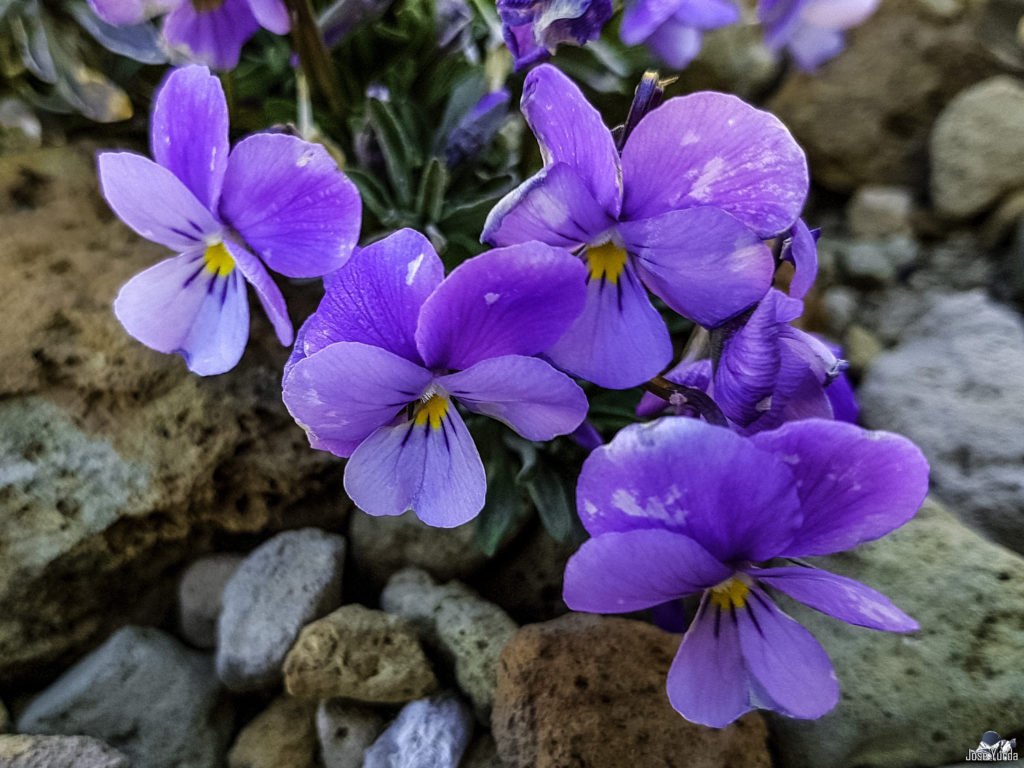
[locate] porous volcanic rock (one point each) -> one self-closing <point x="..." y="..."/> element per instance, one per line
<point x="590" y="690"/>
<point x="282" y="735"/>
<point x="33" y="751"/>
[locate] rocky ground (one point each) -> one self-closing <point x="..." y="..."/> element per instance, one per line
<point x="182" y="583"/>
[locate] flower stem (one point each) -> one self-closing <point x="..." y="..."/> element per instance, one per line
<point x="313" y="56"/>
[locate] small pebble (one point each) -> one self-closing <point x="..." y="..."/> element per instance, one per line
<point x="199" y="597"/>
<point x="34" y="751"/>
<point x="281" y="736"/>
<point x="877" y="211"/>
<point x="429" y="733"/>
<point x="346" y="731"/>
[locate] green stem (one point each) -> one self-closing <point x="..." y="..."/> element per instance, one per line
<point x="313" y="56"/>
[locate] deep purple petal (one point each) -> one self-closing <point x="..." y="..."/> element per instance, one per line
<point x="687" y="476"/>
<point x="623" y="572"/>
<point x="271" y="14"/>
<point x="509" y="301"/>
<point x="713" y="149"/>
<point x="522" y="44"/>
<point x="214" y="37"/>
<point x="154" y="202"/>
<point x="748" y="366"/>
<point x="842" y="399"/>
<point x="708" y="682"/>
<point x="552" y="206"/>
<point x="435" y="471"/>
<point x="346" y="391"/>
<point x="188" y="133"/>
<point x="785" y="659"/>
<point x="838" y="596"/>
<point x="290" y="202"/>
<point x="376" y="297"/>
<point x="619" y="340"/>
<point x="702" y="262"/>
<point x="854" y="485"/>
<point x="688" y="373"/>
<point x="571" y="131"/>
<point x="525" y="393"/>
<point x="266" y="289"/>
<point x="802" y="250"/>
<point x="181" y="306"/>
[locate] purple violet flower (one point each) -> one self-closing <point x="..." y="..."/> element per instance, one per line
<point x="679" y="507"/>
<point x="209" y="32"/>
<point x="282" y="196"/>
<point x="377" y="368"/>
<point x="534" y="28"/>
<point x="702" y="179"/>
<point x="673" y="30"/>
<point x="811" y="30"/>
<point x="763" y="371"/>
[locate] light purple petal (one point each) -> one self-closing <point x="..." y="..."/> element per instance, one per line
<point x="188" y="133"/>
<point x="713" y="149"/>
<point x="271" y="14"/>
<point x="687" y="476"/>
<point x="707" y="14"/>
<point x="435" y="472"/>
<point x="266" y="289"/>
<point x="619" y="340"/>
<point x="180" y="306"/>
<point x="214" y="38"/>
<point x="154" y="202"/>
<point x="838" y="596"/>
<point x="708" y="682"/>
<point x="854" y="485"/>
<point x="748" y="368"/>
<point x="509" y="301"/>
<point x="376" y="297"/>
<point x="785" y="659"/>
<point x="812" y="46"/>
<point x="124" y="13"/>
<point x="702" y="262"/>
<point x="290" y="202"/>
<point x="641" y="18"/>
<point x="346" y="391"/>
<point x="838" y="14"/>
<point x="571" y="131"/>
<point x="623" y="572"/>
<point x="803" y="252"/>
<point x="842" y="399"/>
<point x="675" y="43"/>
<point x="552" y="206"/>
<point x="525" y="393"/>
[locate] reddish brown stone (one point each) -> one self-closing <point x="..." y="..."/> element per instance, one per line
<point x="586" y="691"/>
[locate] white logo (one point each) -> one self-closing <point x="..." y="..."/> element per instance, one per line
<point x="993" y="748"/>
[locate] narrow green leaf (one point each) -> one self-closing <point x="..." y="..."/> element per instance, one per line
<point x="396" y="147"/>
<point x="550" y="496"/>
<point x="430" y="196"/>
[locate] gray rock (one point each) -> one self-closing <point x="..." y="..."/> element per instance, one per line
<point x="281" y="736"/>
<point x="977" y="148"/>
<point x="956" y="264"/>
<point x="24" y="751"/>
<point x="468" y="630"/>
<point x="925" y="697"/>
<point x="143" y="693"/>
<point x="284" y="583"/>
<point x="199" y="597"/>
<point x="877" y="211"/>
<point x="953" y="386"/>
<point x="429" y="733"/>
<point x="346" y="731"/>
<point x="840" y="309"/>
<point x="866" y="265"/>
<point x="860" y="348"/>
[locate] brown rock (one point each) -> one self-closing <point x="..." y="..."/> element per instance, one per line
<point x="865" y="117"/>
<point x="361" y="654"/>
<point x="284" y="734"/>
<point x="586" y="690"/>
<point x="34" y="751"/>
<point x="121" y="463"/>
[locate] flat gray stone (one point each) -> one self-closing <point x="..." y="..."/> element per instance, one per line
<point x="346" y="731"/>
<point x="877" y="211"/>
<point x="977" y="147"/>
<point x="283" y="584"/>
<point x="926" y="697"/>
<point x="33" y="751"/>
<point x="954" y="386"/>
<point x="199" y="597"/>
<point x="428" y="733"/>
<point x="470" y="632"/>
<point x="143" y="693"/>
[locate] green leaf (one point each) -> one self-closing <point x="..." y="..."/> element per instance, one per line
<point x="430" y="197"/>
<point x="396" y="146"/>
<point x="375" y="196"/>
<point x="553" y="501"/>
<point x="504" y="506"/>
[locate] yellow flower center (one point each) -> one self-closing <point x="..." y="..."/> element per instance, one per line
<point x="432" y="411"/>
<point x="606" y="261"/>
<point x="218" y="260"/>
<point x="730" y="594"/>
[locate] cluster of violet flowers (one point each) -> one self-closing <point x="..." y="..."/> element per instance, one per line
<point x="754" y="463"/>
<point x="811" y="31"/>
